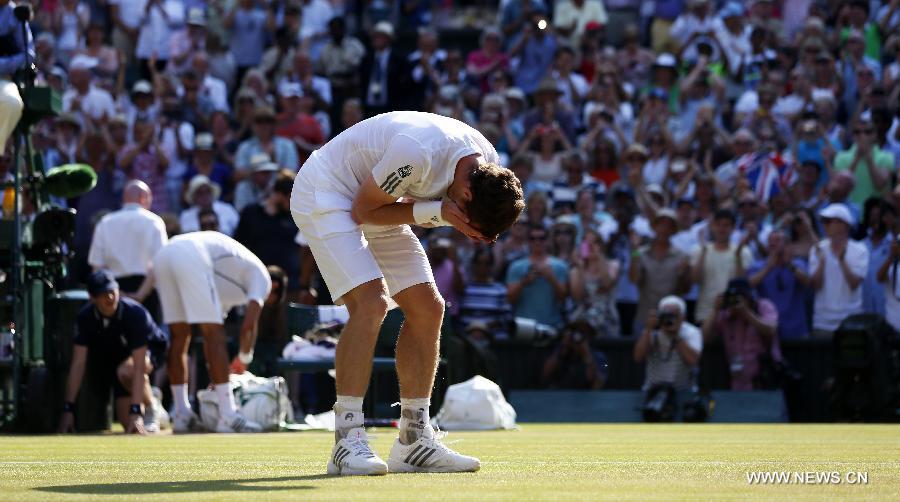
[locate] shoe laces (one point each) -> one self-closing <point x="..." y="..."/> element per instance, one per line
<point x="358" y="441"/>
<point x="436" y="441"/>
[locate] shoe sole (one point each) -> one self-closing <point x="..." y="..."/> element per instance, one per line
<point x="403" y="467"/>
<point x="334" y="470"/>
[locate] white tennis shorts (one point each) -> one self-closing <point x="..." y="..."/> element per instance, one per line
<point x="186" y="284"/>
<point x="348" y="254"/>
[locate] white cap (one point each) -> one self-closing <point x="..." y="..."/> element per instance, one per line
<point x="82" y="62"/>
<point x="679" y="166"/>
<point x="385" y="28"/>
<point x="675" y="301"/>
<point x="837" y="211"/>
<point x="290" y="90"/>
<point x="666" y="60"/>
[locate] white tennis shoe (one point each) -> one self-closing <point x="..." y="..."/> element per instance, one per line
<point x="351" y="456"/>
<point x="429" y="454"/>
<point x="237" y="423"/>
<point x="189" y="422"/>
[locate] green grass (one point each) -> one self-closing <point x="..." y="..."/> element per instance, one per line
<point x="538" y="462"/>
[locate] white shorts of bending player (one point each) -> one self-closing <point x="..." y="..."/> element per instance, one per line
<point x="349" y="255"/>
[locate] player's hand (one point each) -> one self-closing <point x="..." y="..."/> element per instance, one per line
<point x="67" y="423"/>
<point x="135" y="425"/>
<point x="454" y="215"/>
<point x="237" y="366"/>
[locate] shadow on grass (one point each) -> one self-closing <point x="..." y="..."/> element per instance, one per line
<point x="167" y="487"/>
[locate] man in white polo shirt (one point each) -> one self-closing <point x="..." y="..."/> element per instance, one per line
<point x="125" y="242"/>
<point x="200" y="276"/>
<point x="837" y="267"/>
<point x="353" y="201"/>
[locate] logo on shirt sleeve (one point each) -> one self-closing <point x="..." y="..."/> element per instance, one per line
<point x="393" y="180"/>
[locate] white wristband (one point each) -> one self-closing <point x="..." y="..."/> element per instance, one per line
<point x="245" y="357"/>
<point x="429" y="213"/>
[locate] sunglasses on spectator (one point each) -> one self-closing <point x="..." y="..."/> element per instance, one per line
<point x="537" y="237"/>
<point x="863" y="131"/>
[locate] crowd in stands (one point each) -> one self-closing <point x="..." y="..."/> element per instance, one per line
<point x="694" y="169"/>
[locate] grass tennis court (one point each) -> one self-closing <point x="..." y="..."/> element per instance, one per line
<point x="538" y="462"/>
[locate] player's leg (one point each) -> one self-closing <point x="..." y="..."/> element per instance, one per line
<point x="167" y="271"/>
<point x="417" y="355"/>
<point x="410" y="281"/>
<point x="368" y="306"/>
<point x="215" y="349"/>
<point x="123" y="407"/>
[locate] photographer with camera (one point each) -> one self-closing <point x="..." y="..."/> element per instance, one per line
<point x="574" y="365"/>
<point x="670" y="347"/>
<point x="748" y="326"/>
<point x="15" y="52"/>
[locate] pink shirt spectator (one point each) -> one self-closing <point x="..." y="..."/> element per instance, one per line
<point x="146" y="168"/>
<point x="743" y="345"/>
<point x="480" y="60"/>
<point x="443" y="278"/>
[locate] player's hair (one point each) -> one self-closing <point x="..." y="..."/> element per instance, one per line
<point x="497" y="199"/>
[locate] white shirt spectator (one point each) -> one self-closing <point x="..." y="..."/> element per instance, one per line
<point x="314" y="21"/>
<point x="217" y="92"/>
<point x="228" y="218"/>
<point x="95" y="104"/>
<point x="157" y="28"/>
<point x="718" y="268"/>
<point x="126" y="240"/>
<point x="687" y="24"/>
<point x="319" y="84"/>
<point x="566" y="13"/>
<point x="892" y="298"/>
<point x="577" y="83"/>
<point x="735" y="46"/>
<point x="835" y="300"/>
<point x="131" y="12"/>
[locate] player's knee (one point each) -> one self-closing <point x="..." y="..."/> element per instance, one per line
<point x="429" y="309"/>
<point x="375" y="308"/>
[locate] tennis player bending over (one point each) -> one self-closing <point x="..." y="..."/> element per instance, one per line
<point x="354" y="200"/>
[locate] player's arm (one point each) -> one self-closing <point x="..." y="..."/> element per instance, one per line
<point x="76" y="374"/>
<point x="374" y="206"/>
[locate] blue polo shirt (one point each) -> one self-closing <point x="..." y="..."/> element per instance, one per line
<point x="537" y="300"/>
<point x="790" y="297"/>
<point x="114" y="338"/>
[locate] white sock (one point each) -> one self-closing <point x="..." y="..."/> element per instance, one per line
<point x="180" y="399"/>
<point x="414" y="419"/>
<point x="227" y="406"/>
<point x="348" y="415"/>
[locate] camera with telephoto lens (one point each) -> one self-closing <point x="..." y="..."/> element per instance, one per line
<point x="731" y="298"/>
<point x="667" y="320"/>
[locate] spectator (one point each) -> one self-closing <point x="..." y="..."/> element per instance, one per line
<point x="83" y="97"/>
<point x="879" y="219"/>
<point x="211" y="88"/>
<point x="340" y="60"/>
<point x="887" y="275"/>
<point x="255" y="188"/>
<point x="296" y="123"/>
<point x="537" y="46"/>
<point x="571" y="17"/>
<point x="448" y="273"/>
<point x="110" y="61"/>
<point x="658" y="269"/>
<point x="574" y="365"/>
<point x="144" y="159"/>
<point x="484" y="299"/>
<point x="203" y="161"/>
<point x="538" y="283"/>
<point x="717" y="262"/>
<point x="747" y="325"/>
<point x="666" y="333"/>
<point x="511" y="247"/>
<point x="125" y="242"/>
<point x="837" y="266"/>
<point x="782" y="279"/>
<point x="280" y="150"/>
<point x="268" y="231"/>
<point x="247" y="23"/>
<point x="311" y="86"/>
<point x="115" y="332"/>
<point x="593" y="278"/>
<point x="426" y="65"/>
<point x="383" y="71"/>
<point x="156" y="25"/>
<point x="204" y="194"/>
<point x="869" y="164"/>
<point x="489" y="58"/>
<point x="188" y="41"/>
